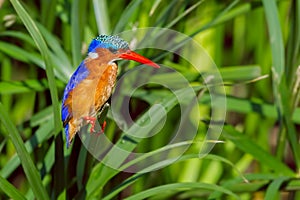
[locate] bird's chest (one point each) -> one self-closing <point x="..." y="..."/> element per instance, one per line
<point x="105" y="85"/>
<point x="92" y="92"/>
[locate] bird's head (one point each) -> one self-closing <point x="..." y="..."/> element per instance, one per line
<point x="118" y="49"/>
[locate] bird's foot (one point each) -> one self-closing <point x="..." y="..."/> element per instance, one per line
<point x="92" y="121"/>
<point x="102" y="128"/>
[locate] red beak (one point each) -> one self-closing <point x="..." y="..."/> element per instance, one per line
<point x="131" y="55"/>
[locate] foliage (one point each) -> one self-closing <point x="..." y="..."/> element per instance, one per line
<point x="255" y="45"/>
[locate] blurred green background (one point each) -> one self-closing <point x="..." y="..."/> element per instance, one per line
<point x="255" y="45"/>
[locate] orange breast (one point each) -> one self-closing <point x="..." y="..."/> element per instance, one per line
<point x="105" y="85"/>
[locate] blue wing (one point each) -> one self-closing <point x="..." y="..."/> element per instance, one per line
<point x="81" y="73"/>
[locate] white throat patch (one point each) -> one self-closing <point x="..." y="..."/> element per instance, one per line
<point x="93" y="55"/>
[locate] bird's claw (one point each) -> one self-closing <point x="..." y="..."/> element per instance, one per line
<point x="92" y="121"/>
<point x="103" y="126"/>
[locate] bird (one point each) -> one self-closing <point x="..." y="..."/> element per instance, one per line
<point x="92" y="83"/>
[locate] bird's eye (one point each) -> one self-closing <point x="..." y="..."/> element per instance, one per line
<point x="112" y="50"/>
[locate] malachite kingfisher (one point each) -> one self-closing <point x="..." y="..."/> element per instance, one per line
<point x="91" y="85"/>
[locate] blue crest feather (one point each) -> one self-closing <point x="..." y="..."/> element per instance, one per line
<point x="108" y="41"/>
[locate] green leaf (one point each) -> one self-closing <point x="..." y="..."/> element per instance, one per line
<point x="32" y="57"/>
<point x="78" y="12"/>
<point x="10" y="190"/>
<point x="135" y="177"/>
<point x="41" y="117"/>
<point x="14" y="87"/>
<point x="240" y="73"/>
<point x="102" y="16"/>
<point x="238" y="185"/>
<point x="273" y="189"/>
<point x="26" y="161"/>
<point x="19" y="35"/>
<point x="48" y="13"/>
<point x="40" y="42"/>
<point x="126" y="14"/>
<point x="101" y="173"/>
<point x="21" y="54"/>
<point x="248" y="146"/>
<point x="281" y="92"/>
<point x="275" y="39"/>
<point x="62" y="65"/>
<point x="42" y="134"/>
<point x="176" y="187"/>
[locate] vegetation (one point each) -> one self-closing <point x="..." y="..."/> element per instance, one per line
<point x="255" y="46"/>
